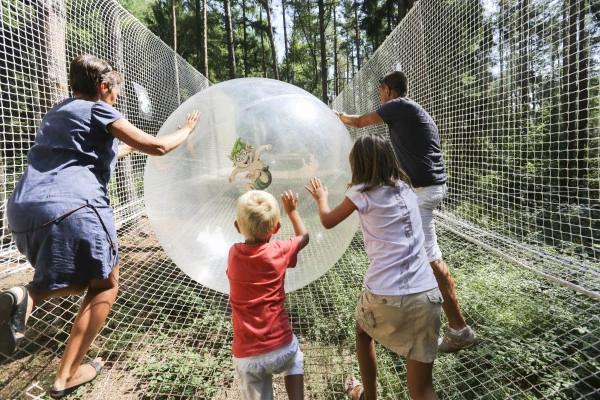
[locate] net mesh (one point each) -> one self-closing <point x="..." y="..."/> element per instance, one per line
<point x="513" y="87"/>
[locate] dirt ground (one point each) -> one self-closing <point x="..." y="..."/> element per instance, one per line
<point x="29" y="373"/>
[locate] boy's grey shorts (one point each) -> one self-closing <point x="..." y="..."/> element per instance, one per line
<point x="255" y="374"/>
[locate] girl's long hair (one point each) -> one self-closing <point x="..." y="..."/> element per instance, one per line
<point x="374" y="163"/>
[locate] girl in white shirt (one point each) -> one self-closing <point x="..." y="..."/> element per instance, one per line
<point x="400" y="305"/>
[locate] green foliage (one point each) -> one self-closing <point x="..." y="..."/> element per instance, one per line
<point x="252" y="50"/>
<point x="15" y="13"/>
<point x="141" y="9"/>
<point x="534" y="335"/>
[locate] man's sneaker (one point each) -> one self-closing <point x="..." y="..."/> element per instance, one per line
<point x="457" y="340"/>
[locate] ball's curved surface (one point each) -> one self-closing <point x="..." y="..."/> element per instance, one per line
<point x="191" y="193"/>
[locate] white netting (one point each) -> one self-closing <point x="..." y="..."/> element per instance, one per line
<point x="513" y="87"/>
<point x="514" y="91"/>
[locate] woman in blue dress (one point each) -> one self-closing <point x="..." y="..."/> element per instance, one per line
<point x="60" y="214"/>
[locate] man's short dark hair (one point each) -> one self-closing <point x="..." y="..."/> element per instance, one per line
<point x="396" y="81"/>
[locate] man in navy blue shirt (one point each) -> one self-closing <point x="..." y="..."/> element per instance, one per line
<point x="416" y="141"/>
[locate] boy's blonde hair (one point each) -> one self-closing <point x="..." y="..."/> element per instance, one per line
<point x="257" y="214"/>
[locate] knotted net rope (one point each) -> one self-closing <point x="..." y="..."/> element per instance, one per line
<point x="513" y="87"/>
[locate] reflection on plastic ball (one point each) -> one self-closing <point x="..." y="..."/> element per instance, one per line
<point x="254" y="133"/>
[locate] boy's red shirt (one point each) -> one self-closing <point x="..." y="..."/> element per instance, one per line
<point x="256" y="276"/>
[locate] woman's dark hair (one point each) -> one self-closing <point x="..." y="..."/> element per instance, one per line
<point x="87" y="72"/>
<point x="396" y="81"/>
<point x="374" y="163"/>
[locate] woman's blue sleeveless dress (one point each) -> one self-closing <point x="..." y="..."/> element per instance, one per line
<point x="59" y="212"/>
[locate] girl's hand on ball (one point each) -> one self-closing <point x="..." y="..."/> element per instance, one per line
<point x="317" y="190"/>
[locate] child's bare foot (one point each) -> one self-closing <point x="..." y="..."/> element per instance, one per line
<point x="354" y="389"/>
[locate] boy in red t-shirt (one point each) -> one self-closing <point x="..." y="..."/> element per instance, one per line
<point x="263" y="342"/>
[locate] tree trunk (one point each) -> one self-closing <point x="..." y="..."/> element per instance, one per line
<point x="230" y="43"/>
<point x="271" y="38"/>
<point x="174" y="20"/>
<point x="423" y="76"/>
<point x="404" y="7"/>
<point x="292" y="72"/>
<point x="356" y="35"/>
<point x="582" y="142"/>
<point x="175" y="61"/>
<point x="262" y="45"/>
<point x="245" y="33"/>
<point x="205" y="23"/>
<point x="401" y="10"/>
<point x="198" y="38"/>
<point x="56" y="52"/>
<point x="390" y="15"/>
<point x="323" y="38"/>
<point x="348" y="59"/>
<point x="336" y="87"/>
<point x="523" y="85"/>
<point x="285" y="42"/>
<point x="568" y="163"/>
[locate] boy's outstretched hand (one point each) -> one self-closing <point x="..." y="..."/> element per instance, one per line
<point x="289" y="201"/>
<point x="317" y="190"/>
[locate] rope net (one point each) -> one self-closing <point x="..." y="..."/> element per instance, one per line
<point x="513" y="87"/>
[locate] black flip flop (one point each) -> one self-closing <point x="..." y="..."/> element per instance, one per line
<point x="57" y="394"/>
<point x="12" y="320"/>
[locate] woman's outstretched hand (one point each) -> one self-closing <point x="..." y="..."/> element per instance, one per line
<point x="191" y="121"/>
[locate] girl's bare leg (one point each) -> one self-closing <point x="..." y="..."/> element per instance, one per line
<point x="420" y="380"/>
<point x="367" y="362"/>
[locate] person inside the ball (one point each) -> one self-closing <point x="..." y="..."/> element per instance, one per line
<point x="263" y="341"/>
<point x="246" y="159"/>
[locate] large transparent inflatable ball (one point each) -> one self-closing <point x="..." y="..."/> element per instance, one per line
<point x="254" y="133"/>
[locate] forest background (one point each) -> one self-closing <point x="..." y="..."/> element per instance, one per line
<point x="314" y="44"/>
<point x="524" y="72"/>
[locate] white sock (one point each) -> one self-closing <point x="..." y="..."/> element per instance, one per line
<point x="457" y="333"/>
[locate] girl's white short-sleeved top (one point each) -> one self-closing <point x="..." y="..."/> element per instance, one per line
<point x="393" y="239"/>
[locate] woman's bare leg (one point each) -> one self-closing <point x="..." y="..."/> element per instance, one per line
<point x="96" y="305"/>
<point x="37" y="295"/>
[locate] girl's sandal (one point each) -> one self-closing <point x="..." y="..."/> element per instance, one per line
<point x="354" y="389"/>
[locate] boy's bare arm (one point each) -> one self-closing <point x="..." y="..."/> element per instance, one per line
<point x="290" y="203"/>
